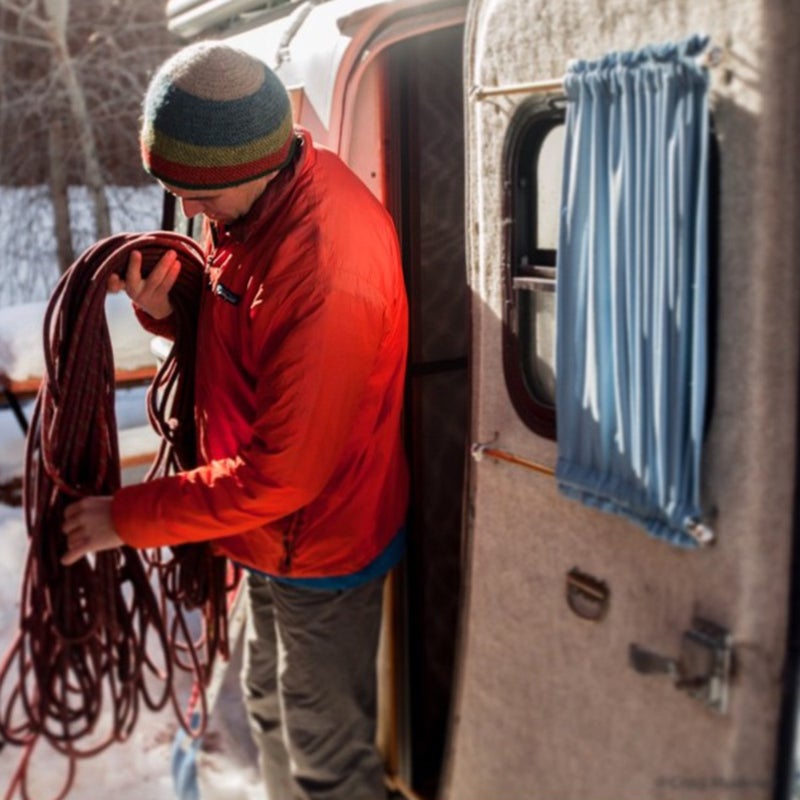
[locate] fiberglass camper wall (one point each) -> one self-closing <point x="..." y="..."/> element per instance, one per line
<point x="599" y="660"/>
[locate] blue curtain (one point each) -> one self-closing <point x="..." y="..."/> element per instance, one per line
<point x="632" y="287"/>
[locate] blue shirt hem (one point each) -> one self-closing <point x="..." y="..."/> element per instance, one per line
<point x="389" y="558"/>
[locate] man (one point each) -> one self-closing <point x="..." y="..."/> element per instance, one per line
<point x="301" y="343"/>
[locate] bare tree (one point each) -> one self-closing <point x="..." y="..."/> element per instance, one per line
<point x="73" y="74"/>
<point x="55" y="28"/>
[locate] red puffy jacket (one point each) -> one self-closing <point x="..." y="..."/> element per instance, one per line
<point x="299" y="385"/>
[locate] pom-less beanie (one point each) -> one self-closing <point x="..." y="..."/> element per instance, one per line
<point x="215" y="116"/>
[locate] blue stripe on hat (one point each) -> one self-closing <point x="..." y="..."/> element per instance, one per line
<point x="183" y="116"/>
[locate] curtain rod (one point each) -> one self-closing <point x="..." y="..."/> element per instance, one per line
<point x="479" y="451"/>
<point x="702" y="533"/>
<point x="710" y="58"/>
<point x="478" y="93"/>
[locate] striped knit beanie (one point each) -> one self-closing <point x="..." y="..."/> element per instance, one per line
<point x="214" y="116"/>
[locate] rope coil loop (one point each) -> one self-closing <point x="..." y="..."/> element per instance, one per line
<point x="100" y="638"/>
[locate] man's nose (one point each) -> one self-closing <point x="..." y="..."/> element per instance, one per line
<point x="191" y="207"/>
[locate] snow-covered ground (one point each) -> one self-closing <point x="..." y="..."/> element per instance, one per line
<point x="140" y="768"/>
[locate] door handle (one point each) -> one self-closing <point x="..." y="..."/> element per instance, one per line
<point x="703" y="669"/>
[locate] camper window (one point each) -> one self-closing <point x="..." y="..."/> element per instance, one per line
<point x="534" y="159"/>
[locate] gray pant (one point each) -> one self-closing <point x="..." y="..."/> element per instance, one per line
<point x="309" y="682"/>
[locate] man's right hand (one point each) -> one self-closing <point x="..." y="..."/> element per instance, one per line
<point x="151" y="294"/>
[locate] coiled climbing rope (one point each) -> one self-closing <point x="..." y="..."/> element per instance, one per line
<point x="98" y="639"/>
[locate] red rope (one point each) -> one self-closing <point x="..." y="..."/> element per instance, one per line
<point x="102" y="637"/>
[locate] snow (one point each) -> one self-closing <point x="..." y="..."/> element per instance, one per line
<point x="140" y="767"/>
<point x="22" y="354"/>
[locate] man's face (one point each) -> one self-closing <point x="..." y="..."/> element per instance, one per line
<point x="220" y="205"/>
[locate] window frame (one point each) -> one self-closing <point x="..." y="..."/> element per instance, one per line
<point x="530" y="126"/>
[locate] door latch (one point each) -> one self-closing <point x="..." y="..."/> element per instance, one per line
<point x="703" y="669"/>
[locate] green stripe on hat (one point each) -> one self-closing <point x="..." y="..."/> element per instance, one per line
<point x="187" y="154"/>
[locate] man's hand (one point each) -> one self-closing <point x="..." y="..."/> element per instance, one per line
<point x="88" y="528"/>
<point x="150" y="293"/>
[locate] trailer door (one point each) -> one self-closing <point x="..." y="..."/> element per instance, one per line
<point x="597" y="661"/>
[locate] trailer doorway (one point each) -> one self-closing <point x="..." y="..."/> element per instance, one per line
<point x="426" y="176"/>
